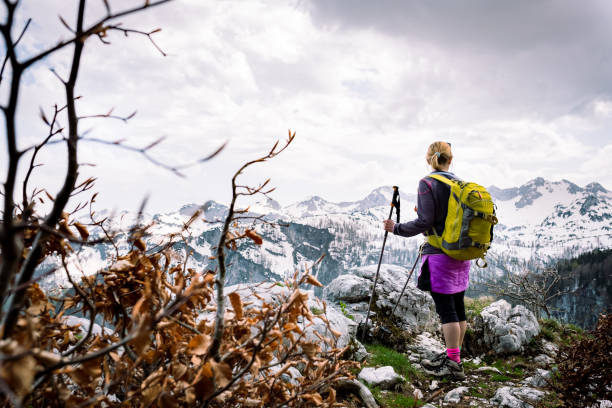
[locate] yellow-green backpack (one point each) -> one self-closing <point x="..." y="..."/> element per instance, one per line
<point x="468" y="228"/>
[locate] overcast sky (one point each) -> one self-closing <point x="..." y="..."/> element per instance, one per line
<point x="521" y="89"/>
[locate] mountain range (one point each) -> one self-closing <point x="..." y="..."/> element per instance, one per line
<point x="540" y="222"/>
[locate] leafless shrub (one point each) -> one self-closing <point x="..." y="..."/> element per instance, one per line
<point x="535" y="290"/>
<point x="147" y="329"/>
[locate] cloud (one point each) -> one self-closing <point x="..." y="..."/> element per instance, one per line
<point x="520" y="89"/>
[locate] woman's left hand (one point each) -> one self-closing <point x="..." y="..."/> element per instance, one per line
<point x="389" y="225"/>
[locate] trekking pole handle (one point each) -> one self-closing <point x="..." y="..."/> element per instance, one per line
<point x="395" y="203"/>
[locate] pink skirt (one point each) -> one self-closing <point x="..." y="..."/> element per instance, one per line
<point x="447" y="275"/>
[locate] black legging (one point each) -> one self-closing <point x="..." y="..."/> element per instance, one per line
<point x="449" y="307"/>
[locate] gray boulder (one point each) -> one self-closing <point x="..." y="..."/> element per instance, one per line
<point x="541" y="378"/>
<point x="517" y="397"/>
<point x="551" y="349"/>
<point x="504" y="328"/>
<point x="426" y="346"/>
<point x="454" y="396"/>
<point x="543" y="361"/>
<point x="415" y="312"/>
<point x="349" y="289"/>
<point x="383" y="377"/>
<point x="254" y="295"/>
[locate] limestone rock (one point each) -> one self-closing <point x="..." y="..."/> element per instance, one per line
<point x="415" y="312"/>
<point x="426" y="346"/>
<point x="517" y="397"/>
<point x="504" y="328"/>
<point x="486" y="368"/>
<point x="256" y="294"/>
<point x="551" y="349"/>
<point x="349" y="289"/>
<point x="383" y="377"/>
<point x="454" y="396"/>
<point x="543" y="361"/>
<point x="541" y="378"/>
<point x="477" y="360"/>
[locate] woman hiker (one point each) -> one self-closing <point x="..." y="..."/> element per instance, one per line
<point x="448" y="277"/>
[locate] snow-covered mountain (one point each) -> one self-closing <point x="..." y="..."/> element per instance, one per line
<point x="548" y="220"/>
<point x="539" y="222"/>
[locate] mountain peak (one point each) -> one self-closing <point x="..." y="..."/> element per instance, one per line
<point x="595" y="188"/>
<point x="538" y="181"/>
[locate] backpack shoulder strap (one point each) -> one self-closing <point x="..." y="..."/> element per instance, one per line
<point x="442" y="179"/>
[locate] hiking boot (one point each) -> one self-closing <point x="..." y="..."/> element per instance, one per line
<point x="447" y="368"/>
<point x="434" y="362"/>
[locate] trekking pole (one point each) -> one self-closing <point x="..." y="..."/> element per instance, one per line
<point x="395" y="203"/>
<point x="409" y="276"/>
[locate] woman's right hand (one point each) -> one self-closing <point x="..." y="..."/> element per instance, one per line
<point x="389" y="225"/>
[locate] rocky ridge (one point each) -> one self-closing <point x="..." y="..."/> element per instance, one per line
<point x="513" y="366"/>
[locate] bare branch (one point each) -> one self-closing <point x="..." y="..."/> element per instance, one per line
<point x="6" y="58"/>
<point x="220" y="281"/>
<point x="94" y="29"/>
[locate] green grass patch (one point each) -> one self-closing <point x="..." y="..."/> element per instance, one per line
<point x="500" y="377"/>
<point x="315" y="310"/>
<point x="548" y="334"/>
<point x="474" y="306"/>
<point x="507" y="369"/>
<point x="574" y="328"/>
<point x="384" y="356"/>
<point x="551" y="324"/>
<point x="345" y="312"/>
<point x="476" y="392"/>
<point x="560" y="333"/>
<point x="469" y="365"/>
<point x="485" y="385"/>
<point x="550" y="400"/>
<point x="395" y="400"/>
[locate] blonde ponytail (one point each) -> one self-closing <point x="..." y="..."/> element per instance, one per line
<point x="439" y="155"/>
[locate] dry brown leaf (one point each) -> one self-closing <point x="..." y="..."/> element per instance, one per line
<point x="253" y="236"/>
<point x="19" y="374"/>
<point x="47" y="357"/>
<point x="331" y="398"/>
<point x="190" y="395"/>
<point x="82" y="230"/>
<point x="292" y="327"/>
<point x="153" y="379"/>
<point x="198" y="345"/>
<point x="313" y="281"/>
<point x="310" y="349"/>
<point x="37" y="300"/>
<point x="222" y="372"/>
<point x="178" y="371"/>
<point x="314" y="398"/>
<point x="150" y="394"/>
<point x="251" y="402"/>
<point x="336" y="333"/>
<point x="236" y="304"/>
<point x="140" y="244"/>
<point x="167" y="401"/>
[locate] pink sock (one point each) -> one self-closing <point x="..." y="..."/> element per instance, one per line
<point x="454" y="354"/>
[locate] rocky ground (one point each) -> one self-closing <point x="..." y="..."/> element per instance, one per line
<point x="508" y="356"/>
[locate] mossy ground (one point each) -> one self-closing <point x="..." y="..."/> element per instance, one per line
<point x="473" y="306"/>
<point x="482" y="385"/>
<point x="380" y="356"/>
